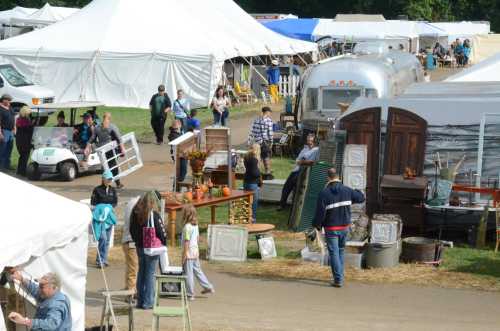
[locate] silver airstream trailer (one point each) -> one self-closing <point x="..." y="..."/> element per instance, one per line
<point x="338" y="81"/>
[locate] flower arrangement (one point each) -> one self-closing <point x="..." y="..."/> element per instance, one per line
<point x="197" y="155"/>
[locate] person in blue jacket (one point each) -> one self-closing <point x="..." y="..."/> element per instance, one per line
<point x="273" y="79"/>
<point x="333" y="214"/>
<point x="53" y="311"/>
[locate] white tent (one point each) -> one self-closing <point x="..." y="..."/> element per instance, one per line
<point x="45" y="15"/>
<point x="131" y="46"/>
<point x="16" y="12"/>
<point x="484" y="71"/>
<point x="463" y="29"/>
<point x="366" y="30"/>
<point x="45" y="232"/>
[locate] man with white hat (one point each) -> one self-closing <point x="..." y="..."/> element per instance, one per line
<point x="273" y="78"/>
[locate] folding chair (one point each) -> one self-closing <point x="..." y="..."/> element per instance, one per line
<point x="171" y="311"/>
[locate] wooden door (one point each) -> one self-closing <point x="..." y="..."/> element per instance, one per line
<point x="363" y="128"/>
<point x="405" y="142"/>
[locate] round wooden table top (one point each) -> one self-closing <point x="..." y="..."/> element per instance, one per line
<point x="259" y="228"/>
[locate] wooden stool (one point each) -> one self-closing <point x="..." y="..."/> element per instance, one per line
<point x="171" y="311"/>
<point x="119" y="308"/>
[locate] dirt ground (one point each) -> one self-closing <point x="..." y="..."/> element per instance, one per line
<point x="251" y="303"/>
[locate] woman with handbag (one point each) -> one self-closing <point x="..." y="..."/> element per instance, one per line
<point x="253" y="180"/>
<point x="148" y="232"/>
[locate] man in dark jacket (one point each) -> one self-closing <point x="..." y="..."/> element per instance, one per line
<point x="159" y="105"/>
<point x="333" y="213"/>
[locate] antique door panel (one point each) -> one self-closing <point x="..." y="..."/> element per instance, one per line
<point x="405" y="142"/>
<point x="363" y="128"/>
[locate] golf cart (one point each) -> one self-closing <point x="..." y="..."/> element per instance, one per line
<point x="54" y="151"/>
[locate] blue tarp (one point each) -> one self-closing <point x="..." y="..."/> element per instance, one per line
<point x="298" y="28"/>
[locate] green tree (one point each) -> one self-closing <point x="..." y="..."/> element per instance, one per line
<point x="429" y="10"/>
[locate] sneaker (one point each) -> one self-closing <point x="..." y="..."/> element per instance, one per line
<point x="208" y="290"/>
<point x="335" y="284"/>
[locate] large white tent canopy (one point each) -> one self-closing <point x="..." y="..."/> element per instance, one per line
<point x="132" y="46"/>
<point x="45" y="232"/>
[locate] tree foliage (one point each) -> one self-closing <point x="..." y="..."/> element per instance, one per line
<point x="430" y="10"/>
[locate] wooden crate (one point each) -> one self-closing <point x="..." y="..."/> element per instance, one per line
<point x="217" y="138"/>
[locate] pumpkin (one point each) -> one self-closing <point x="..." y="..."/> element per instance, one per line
<point x="204" y="188"/>
<point x="188" y="196"/>
<point x="226" y="191"/>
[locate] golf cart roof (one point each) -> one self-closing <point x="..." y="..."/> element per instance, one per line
<point x="70" y="105"/>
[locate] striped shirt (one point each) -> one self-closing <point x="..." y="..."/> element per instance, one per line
<point x="262" y="130"/>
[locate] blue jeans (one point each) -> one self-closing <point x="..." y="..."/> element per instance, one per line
<point x="335" y="241"/>
<point x="6" y="149"/>
<point x="103" y="246"/>
<point x="221" y="119"/>
<point x="255" y="189"/>
<point x="146" y="279"/>
<point x="183" y="121"/>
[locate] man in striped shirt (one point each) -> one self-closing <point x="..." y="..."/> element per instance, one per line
<point x="333" y="213"/>
<point x="262" y="133"/>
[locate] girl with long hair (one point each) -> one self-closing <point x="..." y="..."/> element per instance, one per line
<point x="146" y="215"/>
<point x="191" y="254"/>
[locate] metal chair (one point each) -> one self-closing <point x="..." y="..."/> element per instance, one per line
<point x="171" y="311"/>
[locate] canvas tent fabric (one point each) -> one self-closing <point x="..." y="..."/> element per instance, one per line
<point x="463" y="29"/>
<point x="485" y="46"/>
<point x="16" y="12"/>
<point x="484" y="71"/>
<point x="131" y="47"/>
<point x="367" y="30"/>
<point x="46" y="15"/>
<point x="44" y="232"/>
<point x="302" y="28"/>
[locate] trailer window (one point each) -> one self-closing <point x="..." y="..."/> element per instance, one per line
<point x="371" y="93"/>
<point x="312" y="99"/>
<point x="332" y="97"/>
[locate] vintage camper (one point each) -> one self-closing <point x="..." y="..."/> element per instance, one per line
<point x="338" y="81"/>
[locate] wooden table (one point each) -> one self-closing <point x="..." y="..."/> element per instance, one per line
<point x="171" y="210"/>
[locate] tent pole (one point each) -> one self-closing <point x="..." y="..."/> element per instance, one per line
<point x="298" y="55"/>
<point x="250" y="72"/>
<point x="258" y="73"/>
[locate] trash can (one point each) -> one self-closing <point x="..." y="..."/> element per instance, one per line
<point x="382" y="255"/>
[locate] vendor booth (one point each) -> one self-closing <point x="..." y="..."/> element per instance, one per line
<point x="45" y="232"/>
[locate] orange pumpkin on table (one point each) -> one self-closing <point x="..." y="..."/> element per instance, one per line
<point x="188" y="196"/>
<point x="226" y="191"/>
<point x="204" y="188"/>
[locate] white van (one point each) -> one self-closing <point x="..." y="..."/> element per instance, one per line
<point x="23" y="91"/>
